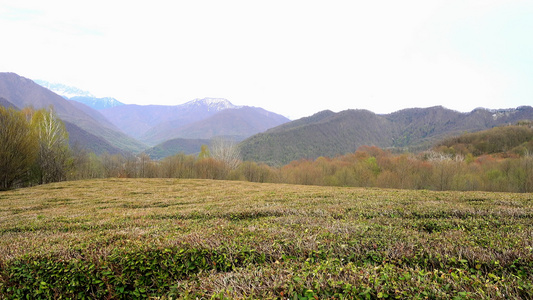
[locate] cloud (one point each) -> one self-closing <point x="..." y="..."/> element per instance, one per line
<point x="17" y="14"/>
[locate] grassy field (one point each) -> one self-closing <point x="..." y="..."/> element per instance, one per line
<point x="173" y="239"/>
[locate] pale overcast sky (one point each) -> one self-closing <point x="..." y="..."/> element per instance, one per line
<point x="291" y="57"/>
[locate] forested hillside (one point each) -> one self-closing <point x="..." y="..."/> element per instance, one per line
<point x="331" y="134"/>
<point x="175" y="146"/>
<point x="324" y="134"/>
<point x="505" y="140"/>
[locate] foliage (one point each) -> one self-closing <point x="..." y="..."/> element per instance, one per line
<point x="176" y="146"/>
<point x="204" y="152"/>
<point x="18" y="148"/>
<point x="506" y="140"/>
<point x="367" y="167"/>
<point x="35" y="147"/>
<point x="205" y="239"/>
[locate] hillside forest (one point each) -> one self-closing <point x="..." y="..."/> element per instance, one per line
<point x="34" y="150"/>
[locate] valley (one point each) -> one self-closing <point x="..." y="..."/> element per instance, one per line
<point x="106" y="125"/>
<point x="407" y="149"/>
<point x="326" y="206"/>
<point x="277" y="150"/>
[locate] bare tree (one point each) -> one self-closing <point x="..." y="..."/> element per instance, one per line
<point x="84" y="164"/>
<point x="144" y="162"/>
<point x="53" y="158"/>
<point x="226" y="151"/>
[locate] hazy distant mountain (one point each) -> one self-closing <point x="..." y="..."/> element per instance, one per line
<point x="330" y="134"/>
<point x="97" y="103"/>
<point x="136" y="120"/>
<point x="208" y="104"/>
<point x="5" y="103"/>
<point x="82" y="138"/>
<point x="23" y="92"/>
<point x="153" y="124"/>
<point x="236" y="123"/>
<point x="75" y="94"/>
<point x="95" y="115"/>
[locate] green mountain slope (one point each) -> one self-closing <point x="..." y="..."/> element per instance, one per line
<point x="331" y="134"/>
<point x="505" y="139"/>
<point x="323" y="134"/>
<point x="175" y="146"/>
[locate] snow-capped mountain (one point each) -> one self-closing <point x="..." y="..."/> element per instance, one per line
<point x="63" y="90"/>
<point x="212" y="104"/>
<point x="147" y="121"/>
<point x="153" y="124"/>
<point x="86" y="127"/>
<point x="78" y="95"/>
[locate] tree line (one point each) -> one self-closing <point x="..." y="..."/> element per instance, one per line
<point x="367" y="167"/>
<point x="34" y="150"/>
<point x="432" y="170"/>
<point x="33" y="147"/>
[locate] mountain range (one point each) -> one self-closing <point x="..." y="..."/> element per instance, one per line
<point x="131" y="128"/>
<point x="86" y="127"/>
<point x="197" y="119"/>
<point x="329" y="134"/>
<point x="161" y="130"/>
<point x="78" y="95"/>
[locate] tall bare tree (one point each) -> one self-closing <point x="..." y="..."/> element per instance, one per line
<point x="54" y="155"/>
<point x="226" y="151"/>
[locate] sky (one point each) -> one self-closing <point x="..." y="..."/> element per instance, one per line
<point x="291" y="57"/>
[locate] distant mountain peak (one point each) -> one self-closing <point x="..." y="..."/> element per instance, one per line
<point x="98" y="103"/>
<point x="64" y="90"/>
<point x="78" y="95"/>
<point x="86" y="127"/>
<point x="212" y="104"/>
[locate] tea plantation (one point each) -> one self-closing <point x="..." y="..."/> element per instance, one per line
<point x="205" y="239"/>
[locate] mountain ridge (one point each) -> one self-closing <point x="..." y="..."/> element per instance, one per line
<point x="329" y="134"/>
<point x="266" y="136"/>
<point x="237" y="123"/>
<point x="79" y="95"/>
<point x="154" y="124"/>
<point x="23" y="92"/>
